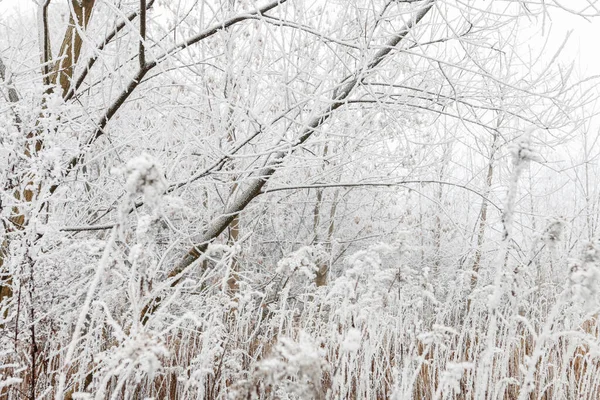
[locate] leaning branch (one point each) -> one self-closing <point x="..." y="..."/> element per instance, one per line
<point x="379" y="184"/>
<point x="137" y="79"/>
<point x="256" y="187"/>
<point x="318" y="186"/>
<point x="216" y="28"/>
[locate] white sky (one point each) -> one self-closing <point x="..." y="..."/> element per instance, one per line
<point x="582" y="46"/>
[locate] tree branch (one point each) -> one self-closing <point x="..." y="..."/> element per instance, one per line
<point x="137" y="79"/>
<point x="92" y="60"/>
<point x="378" y="184"/>
<point x="45" y="43"/>
<point x="220" y="224"/>
<point x="142" y="50"/>
<point x="216" y="28"/>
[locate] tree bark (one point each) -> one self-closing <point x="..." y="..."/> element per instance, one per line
<point x="70" y="50"/>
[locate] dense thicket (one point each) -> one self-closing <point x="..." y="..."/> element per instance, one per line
<point x="296" y="199"/>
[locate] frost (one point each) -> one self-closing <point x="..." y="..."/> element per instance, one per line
<point x="141" y="351"/>
<point x="81" y="396"/>
<point x="304" y="260"/>
<point x="584" y="277"/>
<point x="553" y="231"/>
<point x="144" y="225"/>
<point x="9" y="382"/>
<point x="306" y="140"/>
<point x="51" y="160"/>
<point x="453" y="374"/>
<point x="522" y="150"/>
<point x="366" y="281"/>
<point x="136" y="253"/>
<point x="439" y="334"/>
<point x="352" y="341"/>
<point x="301" y="360"/>
<point x="145" y="178"/>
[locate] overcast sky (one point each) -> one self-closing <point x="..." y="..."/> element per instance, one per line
<point x="582" y="46"/>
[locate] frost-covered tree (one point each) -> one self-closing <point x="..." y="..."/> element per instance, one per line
<point x="292" y="199"/>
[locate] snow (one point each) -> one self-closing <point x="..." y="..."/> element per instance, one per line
<point x="352" y="341"/>
<point x="365" y="200"/>
<point x="145" y="178"/>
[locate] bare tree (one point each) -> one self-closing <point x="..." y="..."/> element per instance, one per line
<point x="161" y="139"/>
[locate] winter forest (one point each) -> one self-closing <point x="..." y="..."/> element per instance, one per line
<point x="298" y="199"/>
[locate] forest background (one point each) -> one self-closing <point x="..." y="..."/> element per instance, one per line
<point x="299" y="199"/>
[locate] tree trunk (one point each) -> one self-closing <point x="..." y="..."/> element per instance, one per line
<point x="70" y="50"/>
